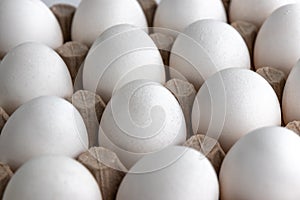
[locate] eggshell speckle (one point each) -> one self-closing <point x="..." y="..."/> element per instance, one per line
<point x="121" y="54"/>
<point x="178" y="14"/>
<point x="264" y="164"/>
<point x="206" y="47"/>
<point x="232" y="103"/>
<point x="52" y="177"/>
<point x="277" y="41"/>
<point x="45" y="125"/>
<point x="31" y="70"/>
<point x="27" y="20"/>
<point x="141" y="118"/>
<point x="174" y="173"/>
<point x="291" y="96"/>
<point x="254" y="11"/>
<point x="93" y="17"/>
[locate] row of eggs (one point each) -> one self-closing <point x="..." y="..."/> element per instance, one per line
<point x="264" y="164"/>
<point x="278" y="33"/>
<point x="247" y="102"/>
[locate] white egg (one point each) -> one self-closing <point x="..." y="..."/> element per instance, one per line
<point x="254" y="11"/>
<point x="45" y="125"/>
<point x="178" y="14"/>
<point x="141" y="118"/>
<point x="52" y="177"/>
<point x="264" y="164"/>
<point x="232" y="103"/>
<point x="31" y="70"/>
<point x="291" y="96"/>
<point x="27" y="20"/>
<point x="206" y="47"/>
<point x="174" y="173"/>
<point x="121" y="54"/>
<point x="93" y="17"/>
<point x="70" y="2"/>
<point x="277" y="41"/>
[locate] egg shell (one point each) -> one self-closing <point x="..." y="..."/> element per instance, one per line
<point x="264" y="164"/>
<point x="277" y="41"/>
<point x="232" y="103"/>
<point x="121" y="54"/>
<point x="45" y="125"/>
<point x="206" y="47"/>
<point x="69" y="2"/>
<point x="27" y="20"/>
<point x="173" y="173"/>
<point x="254" y="11"/>
<point x="177" y="14"/>
<point x="31" y="70"/>
<point x="93" y="17"/>
<point x="52" y="177"/>
<point x="291" y="96"/>
<point x="142" y="117"/>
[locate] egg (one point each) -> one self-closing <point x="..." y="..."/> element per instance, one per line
<point x="254" y="11"/>
<point x="31" y="70"/>
<point x="70" y="2"/>
<point x="142" y="117"/>
<point x="27" y="20"/>
<point x="121" y="54"/>
<point x="277" y="41"/>
<point x="177" y="14"/>
<point x="291" y="96"/>
<point x="52" y="177"/>
<point x="44" y="125"/>
<point x="206" y="47"/>
<point x="264" y="164"/>
<point x="232" y="103"/>
<point x="174" y="173"/>
<point x="93" y="17"/>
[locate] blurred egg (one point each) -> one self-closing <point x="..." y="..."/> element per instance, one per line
<point x="277" y="41"/>
<point x="27" y="21"/>
<point x="45" y="125"/>
<point x="70" y="2"/>
<point x="178" y="14"/>
<point x="93" y="17"/>
<point x="121" y="54"/>
<point x="232" y="103"/>
<point x="142" y="117"/>
<point x="254" y="11"/>
<point x="206" y="47"/>
<point x="264" y="164"/>
<point x="291" y="96"/>
<point x="52" y="177"/>
<point x="31" y="70"/>
<point x="174" y="173"/>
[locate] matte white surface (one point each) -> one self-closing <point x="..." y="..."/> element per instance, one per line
<point x="52" y="177"/>
<point x="178" y="14"/>
<point x="27" y="20"/>
<point x="291" y="96"/>
<point x="45" y="125"/>
<point x="277" y="41"/>
<point x="232" y="103"/>
<point x="206" y="47"/>
<point x="70" y="2"/>
<point x="174" y="173"/>
<point x="142" y="117"/>
<point x="264" y="164"/>
<point x="93" y="17"/>
<point x="121" y="54"/>
<point x="254" y="11"/>
<point x="31" y="70"/>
